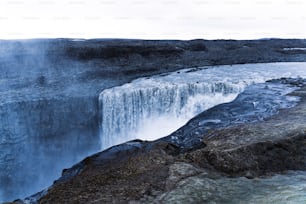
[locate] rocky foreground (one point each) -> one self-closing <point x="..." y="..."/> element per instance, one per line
<point x="258" y="145"/>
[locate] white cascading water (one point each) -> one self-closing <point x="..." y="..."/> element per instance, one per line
<point x="150" y="108"/>
<point x="150" y="112"/>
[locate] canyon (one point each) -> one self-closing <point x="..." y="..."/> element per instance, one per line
<point x="54" y="94"/>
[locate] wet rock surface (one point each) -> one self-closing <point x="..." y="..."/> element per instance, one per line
<point x="218" y="166"/>
<point x="257" y="103"/>
<point x="205" y="188"/>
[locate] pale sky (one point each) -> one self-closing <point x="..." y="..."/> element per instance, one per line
<point x="155" y="19"/>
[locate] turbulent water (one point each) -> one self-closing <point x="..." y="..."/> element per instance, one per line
<point x="149" y="108"/>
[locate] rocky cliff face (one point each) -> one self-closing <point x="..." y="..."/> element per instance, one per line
<point x="49" y="94"/>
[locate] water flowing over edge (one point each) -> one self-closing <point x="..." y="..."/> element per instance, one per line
<point x="153" y="107"/>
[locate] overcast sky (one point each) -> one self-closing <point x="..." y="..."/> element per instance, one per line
<point x="155" y="19"/>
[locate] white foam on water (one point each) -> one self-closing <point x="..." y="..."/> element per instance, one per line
<point x="164" y="124"/>
<point x="294" y="48"/>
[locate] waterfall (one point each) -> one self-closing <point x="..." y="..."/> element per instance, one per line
<point x="152" y="112"/>
<point x="150" y="108"/>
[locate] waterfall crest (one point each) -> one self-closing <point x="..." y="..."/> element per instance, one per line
<point x="151" y="112"/>
<point x="150" y="108"/>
